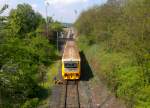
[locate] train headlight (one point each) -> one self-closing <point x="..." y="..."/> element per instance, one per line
<point x="77" y="74"/>
<point x="65" y="75"/>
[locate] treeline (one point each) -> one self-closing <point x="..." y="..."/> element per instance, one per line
<point x="118" y="34"/>
<point x="26" y="50"/>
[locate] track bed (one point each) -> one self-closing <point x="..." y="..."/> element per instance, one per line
<point x="72" y="99"/>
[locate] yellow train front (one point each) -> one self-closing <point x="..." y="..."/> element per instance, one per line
<point x="71" y="62"/>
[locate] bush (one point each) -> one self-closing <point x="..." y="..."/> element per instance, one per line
<point x="32" y="103"/>
<point x="117" y="33"/>
<point x="143" y="100"/>
<point x="23" y="51"/>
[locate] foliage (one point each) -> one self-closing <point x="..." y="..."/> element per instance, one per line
<point x="56" y="26"/>
<point x="31" y="103"/>
<point x="118" y="34"/>
<point x="24" y="19"/>
<point x="25" y="55"/>
<point x="3" y="8"/>
<point x="49" y="82"/>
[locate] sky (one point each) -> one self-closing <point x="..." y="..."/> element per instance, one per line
<point x="61" y="10"/>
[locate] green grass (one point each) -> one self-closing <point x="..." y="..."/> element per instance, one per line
<point x="52" y="71"/>
<point x="49" y="83"/>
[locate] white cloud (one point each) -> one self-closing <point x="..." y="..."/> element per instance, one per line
<point x="34" y="6"/>
<point x="64" y="2"/>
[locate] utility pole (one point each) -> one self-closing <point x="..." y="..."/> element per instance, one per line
<point x="57" y="40"/>
<point x="46" y="6"/>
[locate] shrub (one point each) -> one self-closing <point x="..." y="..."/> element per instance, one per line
<point x="32" y="103"/>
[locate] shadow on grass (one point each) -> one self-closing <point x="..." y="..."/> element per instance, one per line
<point x="43" y="93"/>
<point x="86" y="71"/>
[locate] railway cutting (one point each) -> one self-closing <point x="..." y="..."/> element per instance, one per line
<point x="87" y="91"/>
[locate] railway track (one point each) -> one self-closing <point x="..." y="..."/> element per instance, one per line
<point x="72" y="99"/>
<point x="67" y="94"/>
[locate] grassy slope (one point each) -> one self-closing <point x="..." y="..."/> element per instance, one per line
<point x="119" y="71"/>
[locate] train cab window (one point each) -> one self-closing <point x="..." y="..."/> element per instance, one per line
<point x="71" y="65"/>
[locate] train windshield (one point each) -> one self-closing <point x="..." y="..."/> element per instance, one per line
<point x="71" y="64"/>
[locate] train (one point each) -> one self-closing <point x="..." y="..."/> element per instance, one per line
<point x="71" y="61"/>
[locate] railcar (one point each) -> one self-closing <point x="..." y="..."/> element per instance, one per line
<point x="71" y="61"/>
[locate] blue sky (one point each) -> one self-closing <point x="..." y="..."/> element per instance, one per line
<point x="61" y="10"/>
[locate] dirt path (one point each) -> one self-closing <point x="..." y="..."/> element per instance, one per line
<point x="93" y="94"/>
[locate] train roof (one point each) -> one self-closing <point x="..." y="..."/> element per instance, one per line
<point x="71" y="52"/>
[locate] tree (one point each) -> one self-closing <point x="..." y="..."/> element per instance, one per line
<point x="24" y="20"/>
<point x="23" y="51"/>
<point x="3" y="8"/>
<point x="3" y="18"/>
<point x="121" y="31"/>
